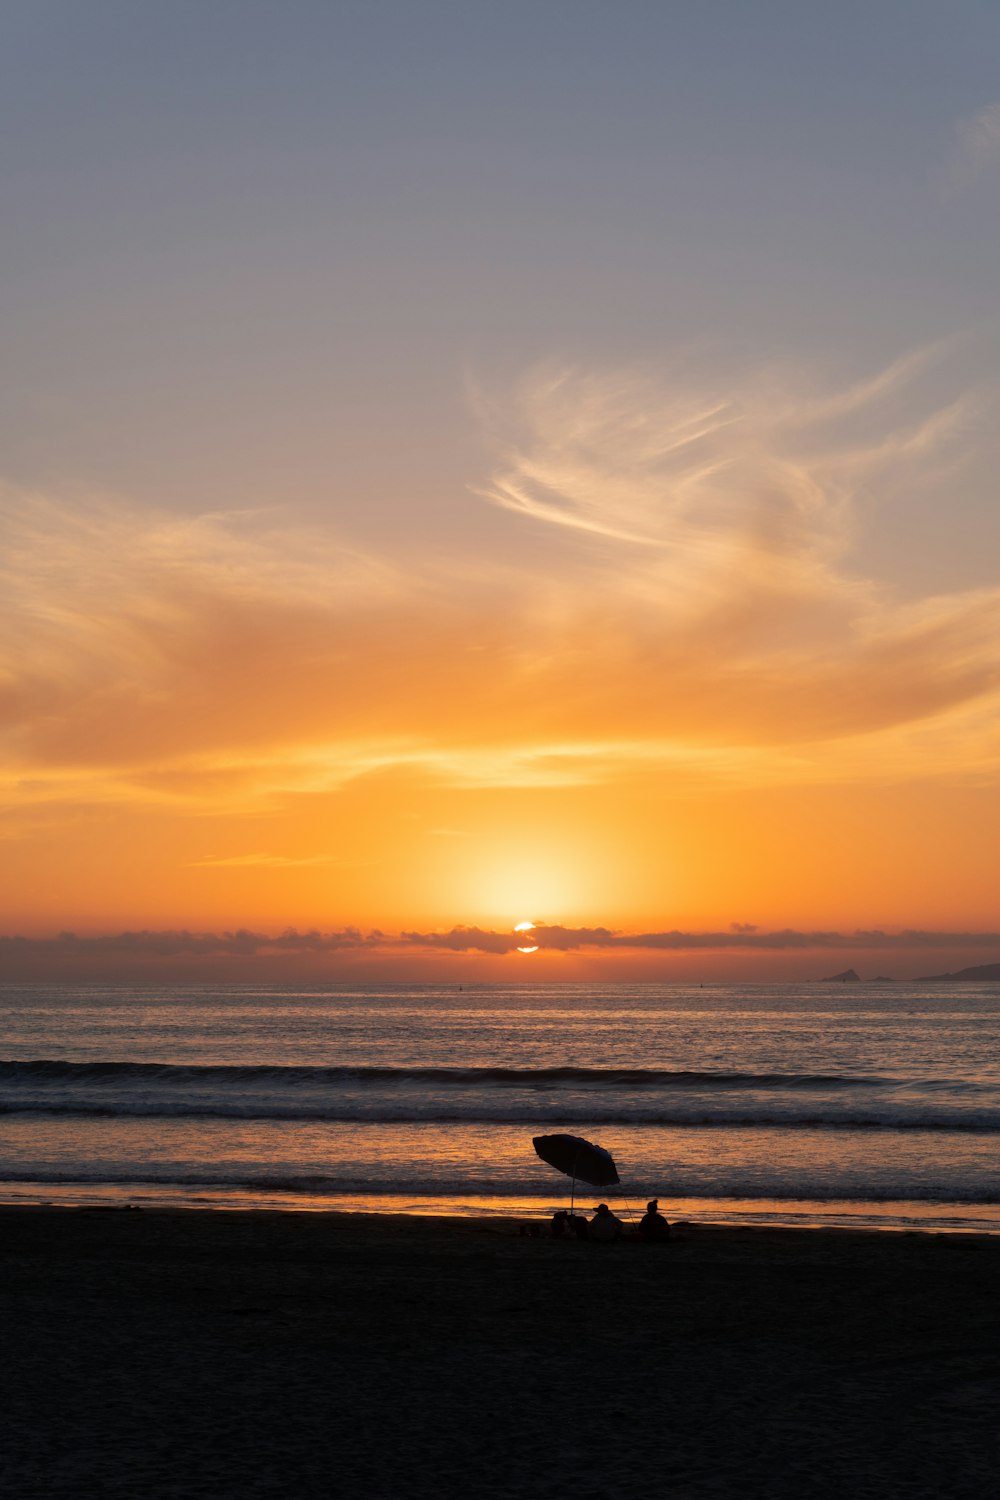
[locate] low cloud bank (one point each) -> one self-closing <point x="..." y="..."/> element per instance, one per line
<point x="242" y="943"/>
<point x="742" y="936"/>
<point x="245" y="943"/>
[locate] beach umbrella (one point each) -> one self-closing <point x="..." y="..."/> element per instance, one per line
<point x="578" y="1159"/>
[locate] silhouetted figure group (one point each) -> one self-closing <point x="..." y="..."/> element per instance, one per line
<point x="605" y="1226"/>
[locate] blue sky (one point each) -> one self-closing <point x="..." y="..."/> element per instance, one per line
<point x="282" y="229"/>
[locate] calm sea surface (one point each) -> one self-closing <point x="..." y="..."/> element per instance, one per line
<point x="816" y="1104"/>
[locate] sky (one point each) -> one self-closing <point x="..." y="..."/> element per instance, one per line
<point x="464" y="465"/>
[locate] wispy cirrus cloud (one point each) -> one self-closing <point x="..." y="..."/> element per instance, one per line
<point x="703" y="613"/>
<point x="271" y="861"/>
<point x="978" y="149"/>
<point x="727" y="481"/>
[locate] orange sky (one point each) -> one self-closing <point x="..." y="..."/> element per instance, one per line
<point x="417" y="514"/>
<point x="684" y="708"/>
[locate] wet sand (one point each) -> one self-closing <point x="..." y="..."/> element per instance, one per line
<point x="173" y="1354"/>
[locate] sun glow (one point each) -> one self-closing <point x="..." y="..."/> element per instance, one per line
<point x="549" y="868"/>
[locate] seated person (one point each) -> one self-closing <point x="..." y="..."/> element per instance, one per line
<point x="565" y="1223"/>
<point x="652" y="1225"/>
<point x="604" y="1225"/>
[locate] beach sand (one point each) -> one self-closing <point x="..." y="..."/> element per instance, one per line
<point x="173" y="1354"/>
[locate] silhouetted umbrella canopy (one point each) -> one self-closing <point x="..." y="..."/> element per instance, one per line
<point x="577" y="1158"/>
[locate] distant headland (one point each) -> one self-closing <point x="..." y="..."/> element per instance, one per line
<point x="979" y="971"/>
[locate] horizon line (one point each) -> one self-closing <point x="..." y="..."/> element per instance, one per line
<point x="246" y="942"/>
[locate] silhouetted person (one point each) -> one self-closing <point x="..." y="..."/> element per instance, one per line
<point x="652" y="1225"/>
<point x="565" y="1224"/>
<point x="604" y="1226"/>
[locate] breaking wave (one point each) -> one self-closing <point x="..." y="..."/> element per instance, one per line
<point x="184" y="1073"/>
<point x="710" y="1185"/>
<point x="564" y="1096"/>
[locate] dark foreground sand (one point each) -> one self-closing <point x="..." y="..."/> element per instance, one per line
<point x="161" y="1354"/>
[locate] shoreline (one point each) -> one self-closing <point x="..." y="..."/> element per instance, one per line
<point x="452" y="1233"/>
<point x="263" y="1353"/>
<point x="505" y="1226"/>
<point x="812" y="1216"/>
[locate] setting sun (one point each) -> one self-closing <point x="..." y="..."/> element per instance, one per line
<point x="526" y="927"/>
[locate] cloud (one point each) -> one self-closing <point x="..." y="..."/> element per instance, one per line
<point x="269" y="861"/>
<point x="978" y="150"/>
<point x="170" y="943"/>
<point x="464" y="940"/>
<point x="746" y="481"/>
<point x="731" y="517"/>
<point x="244" y="943"/>
<point x="692" y="605"/>
<point x="739" y="937"/>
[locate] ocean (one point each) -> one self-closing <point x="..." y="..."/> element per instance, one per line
<point x="819" y="1104"/>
